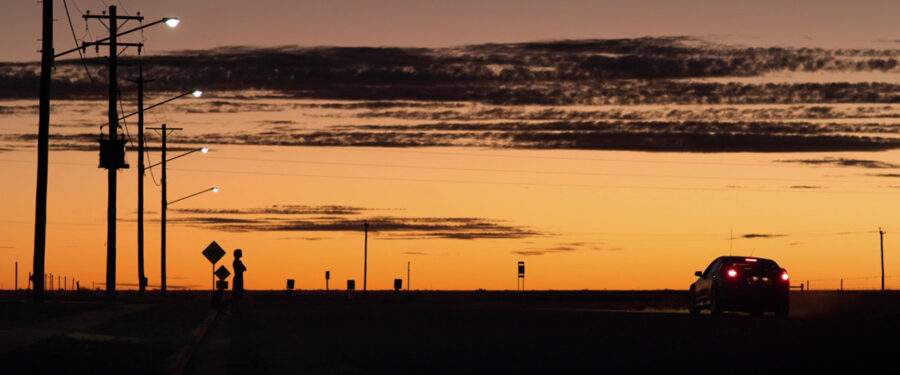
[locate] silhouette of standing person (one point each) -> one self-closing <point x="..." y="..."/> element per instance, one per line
<point x="238" y="289"/>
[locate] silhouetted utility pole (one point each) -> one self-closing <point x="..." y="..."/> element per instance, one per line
<point x="142" y="280"/>
<point x="112" y="151"/>
<point x="881" y="240"/>
<point x="163" y="132"/>
<point x="17" y="277"/>
<point x="365" y="255"/>
<point x="43" y="148"/>
<point x="407" y="276"/>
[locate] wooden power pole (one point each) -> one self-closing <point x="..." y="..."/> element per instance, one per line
<point x="881" y="240"/>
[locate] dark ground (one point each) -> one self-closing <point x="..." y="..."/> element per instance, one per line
<point x="445" y="332"/>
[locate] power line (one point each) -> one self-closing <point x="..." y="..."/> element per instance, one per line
<point x="80" y="54"/>
<point x="537" y="172"/>
<point x="636" y="187"/>
<point x="401" y="179"/>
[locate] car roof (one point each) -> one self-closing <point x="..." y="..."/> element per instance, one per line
<point x="743" y="259"/>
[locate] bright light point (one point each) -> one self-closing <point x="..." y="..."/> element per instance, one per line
<point x="732" y="273"/>
<point x="204" y="150"/>
<point x="215" y="190"/>
<point x="197" y="93"/>
<point x="784" y="276"/>
<point x="172" y="22"/>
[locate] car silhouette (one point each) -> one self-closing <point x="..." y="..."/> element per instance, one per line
<point x="747" y="284"/>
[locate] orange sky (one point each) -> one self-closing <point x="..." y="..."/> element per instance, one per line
<point x="598" y="219"/>
<point x="605" y="219"/>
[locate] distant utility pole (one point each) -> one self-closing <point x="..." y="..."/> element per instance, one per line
<point x="112" y="151"/>
<point x="365" y="254"/>
<point x="142" y="279"/>
<point x="881" y="239"/>
<point x="163" y="132"/>
<point x="17" y="277"/>
<point x="407" y="276"/>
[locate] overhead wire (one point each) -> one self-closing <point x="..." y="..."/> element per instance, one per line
<point x="80" y="54"/>
<point x="533" y="171"/>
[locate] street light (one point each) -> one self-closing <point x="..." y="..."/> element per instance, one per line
<point x="202" y="150"/>
<point x="142" y="280"/>
<point x="171" y="21"/>
<point x="212" y="189"/>
<point x="164" y="131"/>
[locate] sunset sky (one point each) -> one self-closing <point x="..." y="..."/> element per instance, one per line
<point x="412" y="23"/>
<point x="603" y="165"/>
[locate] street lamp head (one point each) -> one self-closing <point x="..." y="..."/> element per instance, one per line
<point x="197" y="93"/>
<point x="215" y="190"/>
<point x="204" y="150"/>
<point x="171" y="21"/>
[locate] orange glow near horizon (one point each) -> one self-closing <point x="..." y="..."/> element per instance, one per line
<point x="592" y="219"/>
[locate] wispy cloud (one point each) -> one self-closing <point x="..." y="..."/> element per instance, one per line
<point x="278" y="210"/>
<point x="565" y="248"/>
<point x="842" y="162"/>
<point x="336" y="218"/>
<point x="761" y="235"/>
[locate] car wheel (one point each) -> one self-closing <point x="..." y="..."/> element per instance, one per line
<point x="693" y="308"/>
<point x="782" y="311"/>
<point x="715" y="307"/>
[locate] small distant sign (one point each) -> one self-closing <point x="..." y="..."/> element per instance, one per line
<point x="213" y="252"/>
<point x="222" y="273"/>
<point x="327" y="275"/>
<point x="521" y="269"/>
<point x="398" y="284"/>
<point x="290" y="284"/>
<point x="351" y="284"/>
<point x="221" y="284"/>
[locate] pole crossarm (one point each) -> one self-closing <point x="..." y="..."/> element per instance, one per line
<point x="89" y="44"/>
<point x="192" y="195"/>
<point x="106" y="17"/>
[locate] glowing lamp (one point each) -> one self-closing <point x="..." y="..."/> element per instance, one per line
<point x="784" y="276"/>
<point x="197" y="93"/>
<point x="215" y="190"/>
<point x="171" y="21"/>
<point x="204" y="150"/>
<point x="731" y="273"/>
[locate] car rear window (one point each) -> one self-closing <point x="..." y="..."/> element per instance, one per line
<point x="761" y="265"/>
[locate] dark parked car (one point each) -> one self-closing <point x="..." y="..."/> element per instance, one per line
<point x="748" y="284"/>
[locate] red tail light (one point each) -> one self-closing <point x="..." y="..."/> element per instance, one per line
<point x="731" y="273"/>
<point x="784" y="275"/>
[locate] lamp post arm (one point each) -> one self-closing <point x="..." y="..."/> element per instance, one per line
<point x="107" y="38"/>
<point x="156" y="105"/>
<point x="192" y="195"/>
<point x="174" y="157"/>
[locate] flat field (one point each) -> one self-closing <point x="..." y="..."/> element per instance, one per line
<point x="442" y="332"/>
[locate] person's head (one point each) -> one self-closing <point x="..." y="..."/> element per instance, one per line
<point x="238" y="253"/>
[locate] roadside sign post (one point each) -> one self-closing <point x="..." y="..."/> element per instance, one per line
<point x="222" y="273"/>
<point x="520" y="281"/>
<point x="327" y="277"/>
<point x="213" y="253"/>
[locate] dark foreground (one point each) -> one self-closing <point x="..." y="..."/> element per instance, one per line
<point x="442" y="332"/>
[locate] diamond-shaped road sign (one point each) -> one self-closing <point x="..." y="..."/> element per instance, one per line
<point x="213" y="252"/>
<point x="222" y="273"/>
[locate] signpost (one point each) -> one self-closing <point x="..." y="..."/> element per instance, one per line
<point x="222" y="273"/>
<point x="520" y="281"/>
<point x="214" y="252"/>
<point x="327" y="277"/>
